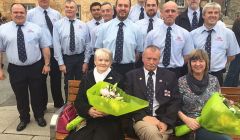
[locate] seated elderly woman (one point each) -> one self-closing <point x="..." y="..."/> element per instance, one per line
<point x="100" y="126"/>
<point x="196" y="88"/>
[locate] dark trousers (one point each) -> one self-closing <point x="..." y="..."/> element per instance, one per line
<point x="55" y="82"/>
<point x="22" y="80"/>
<point x="123" y="68"/>
<point x="232" y="77"/>
<point x="73" y="65"/>
<point x="219" y="75"/>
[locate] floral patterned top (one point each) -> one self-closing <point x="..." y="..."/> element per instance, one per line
<point x="192" y="104"/>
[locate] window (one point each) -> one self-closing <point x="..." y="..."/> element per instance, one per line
<point x="29" y="6"/>
<point x="180" y="3"/>
<point x="78" y="14"/>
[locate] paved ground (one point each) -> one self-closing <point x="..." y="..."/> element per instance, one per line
<point x="9" y="117"/>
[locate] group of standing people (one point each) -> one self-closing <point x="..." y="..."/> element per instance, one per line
<point x="42" y="42"/>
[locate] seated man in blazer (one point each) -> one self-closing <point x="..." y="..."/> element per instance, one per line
<point x="159" y="87"/>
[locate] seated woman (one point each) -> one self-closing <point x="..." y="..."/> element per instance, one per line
<point x="196" y="88"/>
<point x="100" y="126"/>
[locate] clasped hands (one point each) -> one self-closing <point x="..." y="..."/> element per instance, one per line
<point x="93" y="112"/>
<point x="162" y="127"/>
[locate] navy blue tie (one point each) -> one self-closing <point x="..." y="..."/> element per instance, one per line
<point x="167" y="49"/>
<point x="150" y="91"/>
<point x="97" y="23"/>
<point x="194" y="21"/>
<point x="150" y="25"/>
<point x="49" y="22"/>
<point x="72" y="37"/>
<point x="141" y="16"/>
<point x="208" y="45"/>
<point x="119" y="44"/>
<point x="21" y="45"/>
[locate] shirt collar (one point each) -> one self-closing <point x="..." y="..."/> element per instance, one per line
<point x="204" y="28"/>
<point x="172" y="26"/>
<point x="42" y="10"/>
<point x="191" y="11"/>
<point x="154" y="17"/>
<point x="24" y="24"/>
<point x="146" y="72"/>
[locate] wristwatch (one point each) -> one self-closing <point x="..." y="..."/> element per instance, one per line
<point x="48" y="65"/>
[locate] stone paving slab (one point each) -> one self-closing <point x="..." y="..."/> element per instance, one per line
<point x="7" y="117"/>
<point x="15" y="137"/>
<point x="41" y="138"/>
<point x="32" y="128"/>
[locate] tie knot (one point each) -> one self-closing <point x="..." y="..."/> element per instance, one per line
<point x="45" y="12"/>
<point x="97" y="23"/>
<point x="150" y="20"/>
<point x="194" y="13"/>
<point x="150" y="73"/>
<point x="121" y="24"/>
<point x="71" y="21"/>
<point x="210" y="31"/>
<point x="19" y="25"/>
<point x="142" y="9"/>
<point x="169" y="29"/>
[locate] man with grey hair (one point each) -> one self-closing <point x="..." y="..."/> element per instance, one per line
<point x="70" y="42"/>
<point x="219" y="42"/>
<point x="159" y="87"/>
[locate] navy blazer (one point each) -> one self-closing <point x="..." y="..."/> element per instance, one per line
<point x="81" y="103"/>
<point x="183" y="20"/>
<point x="169" y="104"/>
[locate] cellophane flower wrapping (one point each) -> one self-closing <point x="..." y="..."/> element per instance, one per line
<point x="216" y="116"/>
<point x="113" y="106"/>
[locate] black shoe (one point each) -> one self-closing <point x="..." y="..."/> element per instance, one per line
<point x="41" y="121"/>
<point x="22" y="125"/>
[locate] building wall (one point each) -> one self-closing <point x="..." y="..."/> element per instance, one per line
<point x="233" y="8"/>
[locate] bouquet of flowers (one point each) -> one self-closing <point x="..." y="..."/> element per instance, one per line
<point x="112" y="100"/>
<point x="109" y="99"/>
<point x="217" y="115"/>
<point x="111" y="92"/>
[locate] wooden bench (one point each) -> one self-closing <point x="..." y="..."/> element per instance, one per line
<point x="73" y="87"/>
<point x="232" y="93"/>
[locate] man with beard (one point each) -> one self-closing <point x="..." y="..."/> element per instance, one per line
<point x="150" y="22"/>
<point x="191" y="18"/>
<point x="45" y="17"/>
<point x="122" y="37"/>
<point x="174" y="41"/>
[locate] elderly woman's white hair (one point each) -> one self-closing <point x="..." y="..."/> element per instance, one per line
<point x="103" y="52"/>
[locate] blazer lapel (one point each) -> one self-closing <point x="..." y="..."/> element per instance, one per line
<point x="141" y="80"/>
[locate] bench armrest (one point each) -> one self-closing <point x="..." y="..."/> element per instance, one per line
<point x="53" y="122"/>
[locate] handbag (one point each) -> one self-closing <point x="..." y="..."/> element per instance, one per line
<point x="68" y="114"/>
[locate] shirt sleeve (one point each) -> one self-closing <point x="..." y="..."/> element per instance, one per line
<point x="57" y="46"/>
<point x="88" y="49"/>
<point x="233" y="47"/>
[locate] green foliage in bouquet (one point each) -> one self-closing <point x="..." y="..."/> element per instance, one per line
<point x="114" y="106"/>
<point x="216" y="116"/>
